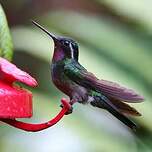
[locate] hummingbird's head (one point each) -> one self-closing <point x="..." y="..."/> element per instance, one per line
<point x="69" y="47"/>
<point x="64" y="47"/>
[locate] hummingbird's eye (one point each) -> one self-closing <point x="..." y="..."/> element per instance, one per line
<point x="66" y="43"/>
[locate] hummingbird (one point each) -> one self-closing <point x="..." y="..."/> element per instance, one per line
<point x="70" y="77"/>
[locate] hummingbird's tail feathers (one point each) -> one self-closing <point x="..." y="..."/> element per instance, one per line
<point x="103" y="102"/>
<point x="124" y="108"/>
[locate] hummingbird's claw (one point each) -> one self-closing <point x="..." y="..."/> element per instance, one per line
<point x="69" y="111"/>
<point x="70" y="108"/>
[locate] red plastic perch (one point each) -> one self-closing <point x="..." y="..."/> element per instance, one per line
<point x="41" y="126"/>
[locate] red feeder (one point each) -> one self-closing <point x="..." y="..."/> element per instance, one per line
<point x="16" y="102"/>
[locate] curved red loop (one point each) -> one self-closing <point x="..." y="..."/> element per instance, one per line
<point x="38" y="127"/>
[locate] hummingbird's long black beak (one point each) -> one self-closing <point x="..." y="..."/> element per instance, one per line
<point x="46" y="31"/>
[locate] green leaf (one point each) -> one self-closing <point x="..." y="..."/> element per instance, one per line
<point x="6" y="46"/>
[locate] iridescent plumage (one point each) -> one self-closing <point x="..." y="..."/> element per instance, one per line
<point x="81" y="86"/>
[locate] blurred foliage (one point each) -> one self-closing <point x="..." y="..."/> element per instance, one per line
<point x="115" y="44"/>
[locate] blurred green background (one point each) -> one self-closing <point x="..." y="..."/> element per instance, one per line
<point x="115" y="38"/>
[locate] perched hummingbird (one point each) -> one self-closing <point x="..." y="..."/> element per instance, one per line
<point x="81" y="86"/>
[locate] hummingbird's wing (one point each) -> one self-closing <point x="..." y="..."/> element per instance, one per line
<point x="111" y="93"/>
<point x="81" y="76"/>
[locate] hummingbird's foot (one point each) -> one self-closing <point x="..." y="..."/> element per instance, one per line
<point x="72" y="102"/>
<point x="69" y="111"/>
